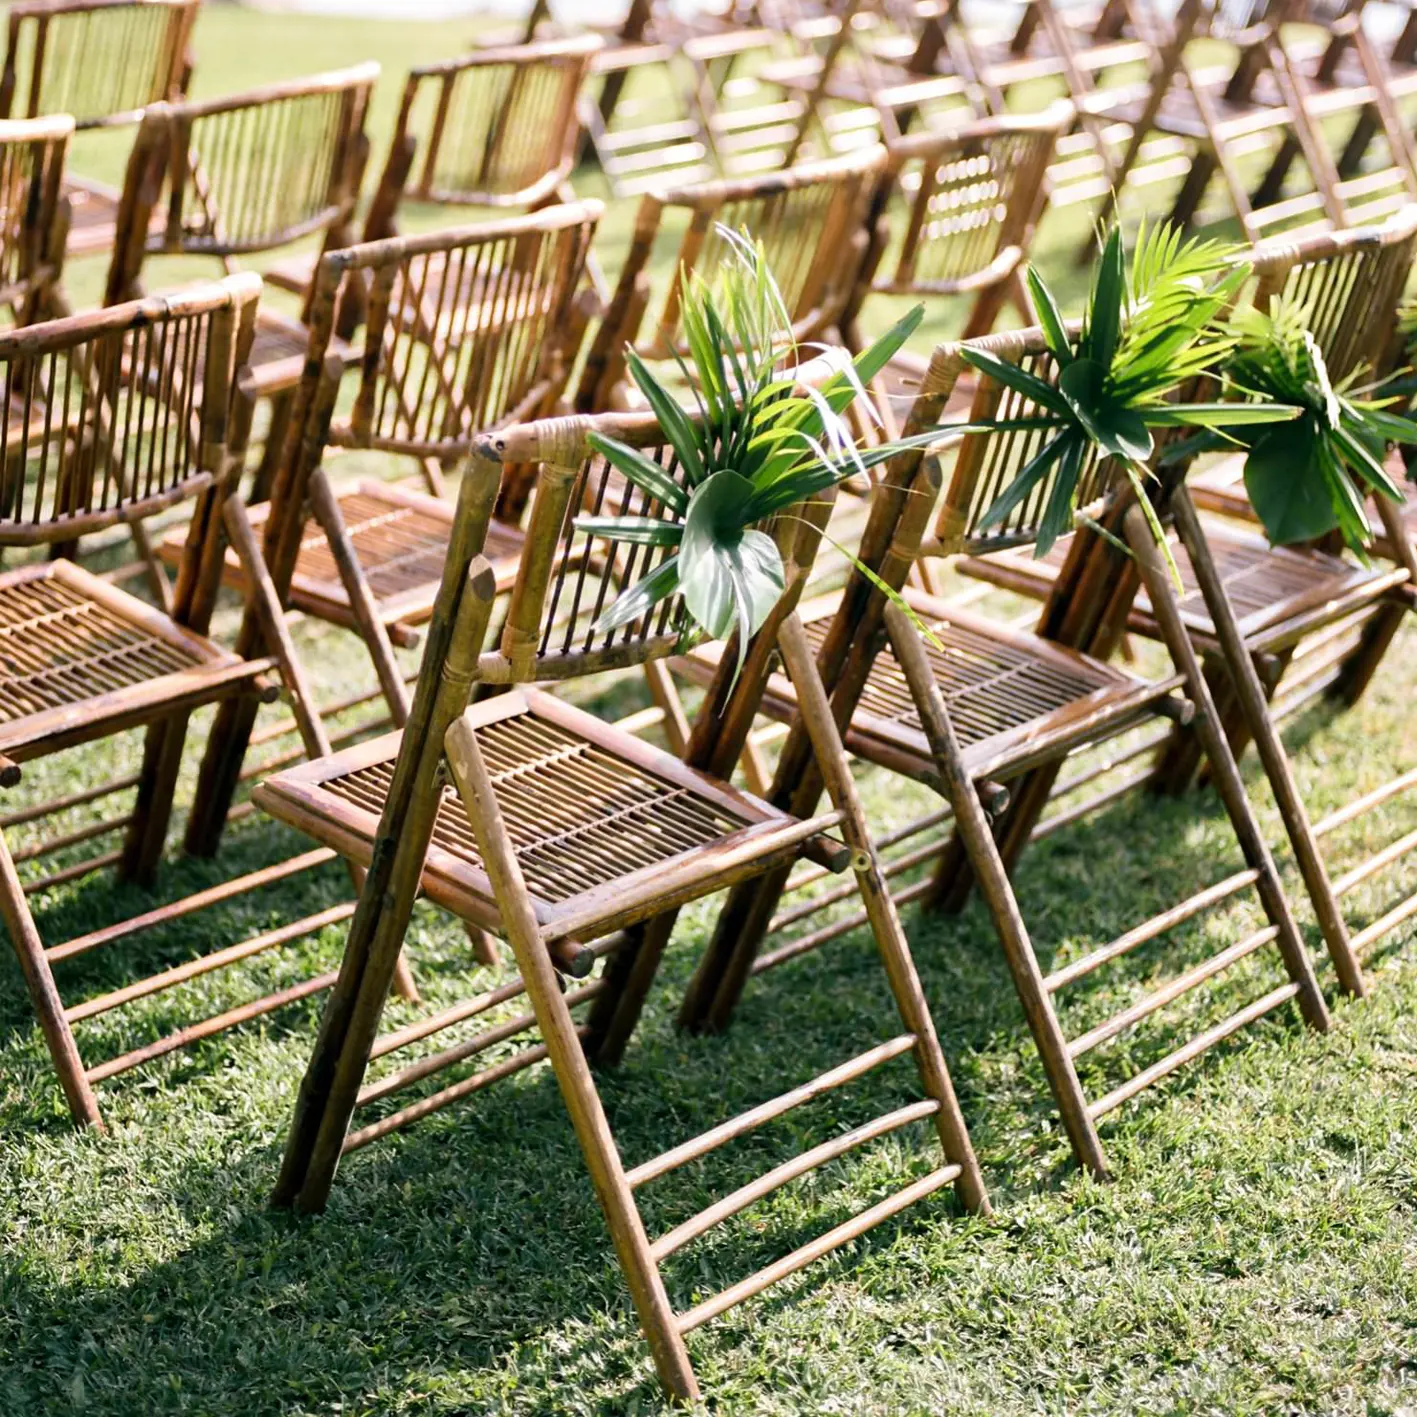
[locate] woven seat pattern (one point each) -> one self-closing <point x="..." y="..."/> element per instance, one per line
<point x="990" y="686"/>
<point x="58" y="647"/>
<point x="578" y="815"/>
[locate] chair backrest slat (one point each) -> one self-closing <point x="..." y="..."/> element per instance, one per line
<point x="1349" y="282"/>
<point x="101" y="61"/>
<point x="115" y="414"/>
<point x="497" y="127"/>
<point x="32" y="155"/>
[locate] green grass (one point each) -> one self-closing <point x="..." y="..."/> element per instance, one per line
<point x="1256" y="1254"/>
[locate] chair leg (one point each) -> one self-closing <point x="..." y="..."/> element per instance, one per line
<point x="629" y="973"/>
<point x="330" y="1088"/>
<point x="39" y="980"/>
<point x="563" y="1045"/>
<point x="881" y="910"/>
<point x="281" y="407"/>
<point x="1253" y="703"/>
<point x="1224" y="771"/>
<point x="972" y="824"/>
<point x="152" y="811"/>
<point x="1192" y="192"/>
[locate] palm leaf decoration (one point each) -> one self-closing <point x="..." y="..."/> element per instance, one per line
<point x="1308" y="477"/>
<point x="1148" y="330"/>
<point x="760" y="446"/>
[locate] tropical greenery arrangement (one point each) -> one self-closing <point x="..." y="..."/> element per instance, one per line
<point x="1148" y="330"/>
<point x="1310" y="475"/>
<point x="763" y="444"/>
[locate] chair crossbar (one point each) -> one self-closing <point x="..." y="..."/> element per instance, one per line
<point x="49" y="845"/>
<point x="62" y="804"/>
<point x="1201" y="1043"/>
<point x="468" y="1048"/>
<point x="1176" y="988"/>
<point x="789" y="1170"/>
<point x="834" y="1239"/>
<point x="1375" y="864"/>
<point x="1362" y="939"/>
<point x="207" y="1028"/>
<point x="189" y="905"/>
<point x="72" y="873"/>
<point x="765" y="1112"/>
<point x="1361" y="806"/>
<point x="1149" y="929"/>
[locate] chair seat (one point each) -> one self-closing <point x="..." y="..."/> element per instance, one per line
<point x="607" y="829"/>
<point x="1269" y="587"/>
<point x="278" y="352"/>
<point x="93" y="217"/>
<point x="401" y="540"/>
<point x="80" y="659"/>
<point x="1015" y="699"/>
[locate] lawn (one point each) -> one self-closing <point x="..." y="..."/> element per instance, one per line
<point x="1256" y="1253"/>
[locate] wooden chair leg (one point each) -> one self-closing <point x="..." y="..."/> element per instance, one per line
<point x="909" y="994"/>
<point x="281" y="407"/>
<point x="152" y="811"/>
<point x="39" y="980"/>
<point x="330" y="1088"/>
<point x="972" y="825"/>
<point x="1250" y="695"/>
<point x="561" y="1037"/>
<point x="1192" y="193"/>
<point x="1224" y="771"/>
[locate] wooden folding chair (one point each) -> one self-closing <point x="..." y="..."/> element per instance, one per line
<point x="34" y="215"/>
<point x="240" y="176"/>
<point x="102" y="62"/>
<point x="953" y="216"/>
<point x="467" y="329"/>
<point x="107" y="423"/>
<point x="809" y="219"/>
<point x="985" y="714"/>
<point x="1256" y="106"/>
<point x="564" y="831"/>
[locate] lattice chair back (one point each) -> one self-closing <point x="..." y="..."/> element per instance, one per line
<point x="972" y="196"/>
<point x="244" y="174"/>
<point x="1349" y="282"/>
<point x="466" y="328"/>
<point x="101" y="61"/>
<point x="568" y="579"/>
<point x="33" y="214"/>
<point x="987" y="463"/>
<point x="114" y="415"/>
<point x="809" y="220"/>
<point x="497" y="127"/>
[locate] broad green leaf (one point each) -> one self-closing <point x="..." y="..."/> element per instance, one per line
<point x="718" y="546"/>
<point x="641" y="598"/>
<point x="1058" y="513"/>
<point x="1218" y="415"/>
<point x="644" y="472"/>
<point x="1028" y="478"/>
<point x="635" y="531"/>
<point x="1116" y="429"/>
<point x="1285" y="481"/>
<point x="1105" y="308"/>
<point x="1012" y="376"/>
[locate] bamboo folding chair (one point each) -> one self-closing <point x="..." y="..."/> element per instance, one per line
<point x="34" y="215"/>
<point x="809" y="219"/>
<point x="107" y="423"/>
<point x="953" y="216"/>
<point x="102" y="62"/>
<point x="241" y="176"/>
<point x="986" y="714"/>
<point x="563" y="832"/>
<point x="1258" y="108"/>
<point x="468" y="329"/>
<point x="495" y="128"/>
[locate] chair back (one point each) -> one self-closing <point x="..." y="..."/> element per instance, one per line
<point x="100" y="61"/>
<point x="248" y="173"/>
<point x="466" y="329"/>
<point x="1350" y="282"/>
<point x="115" y="414"/>
<point x="987" y="463"/>
<point x="33" y="214"/>
<point x="497" y="127"/>
<point x="568" y="579"/>
<point x="972" y="197"/>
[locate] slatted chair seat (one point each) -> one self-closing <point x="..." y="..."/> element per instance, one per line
<point x="401" y="539"/>
<point x="604" y="825"/>
<point x="278" y="352"/>
<point x="1016" y="698"/>
<point x="80" y="659"/>
<point x="1271" y="588"/>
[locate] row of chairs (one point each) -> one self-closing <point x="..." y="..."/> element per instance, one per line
<point x="574" y="839"/>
